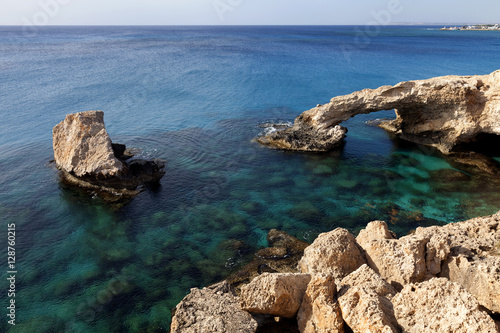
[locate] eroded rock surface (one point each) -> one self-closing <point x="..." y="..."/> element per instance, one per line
<point x="398" y="261"/>
<point x="320" y="311"/>
<point x="88" y="160"/>
<point x="277" y="294"/>
<point x="212" y="309"/>
<point x="468" y="253"/>
<point x="365" y="276"/>
<point x="335" y="252"/>
<point x="366" y="311"/>
<point x="82" y="146"/>
<point x="440" y="112"/>
<point x="439" y="305"/>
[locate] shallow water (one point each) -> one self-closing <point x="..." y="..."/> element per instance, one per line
<point x="195" y="96"/>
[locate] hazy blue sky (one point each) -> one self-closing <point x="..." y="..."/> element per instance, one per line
<point x="174" y="12"/>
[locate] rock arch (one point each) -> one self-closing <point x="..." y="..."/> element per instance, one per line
<point x="441" y="112"/>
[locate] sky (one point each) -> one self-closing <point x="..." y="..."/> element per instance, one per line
<point x="246" y="12"/>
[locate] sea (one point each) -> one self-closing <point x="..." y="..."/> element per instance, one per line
<point x="196" y="97"/>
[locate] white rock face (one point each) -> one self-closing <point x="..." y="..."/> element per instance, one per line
<point x="440" y="112"/>
<point x="439" y="305"/>
<point x="83" y="147"/>
<point x="277" y="294"/>
<point x="335" y="253"/>
<point x="213" y="309"/>
<point x="320" y="311"/>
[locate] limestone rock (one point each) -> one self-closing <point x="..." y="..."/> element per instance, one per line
<point x="365" y="276"/>
<point x="467" y="253"/>
<point x="479" y="276"/>
<point x="440" y="112"/>
<point x="366" y="311"/>
<point x="320" y="311"/>
<point x="439" y="305"/>
<point x="374" y="230"/>
<point x="277" y="294"/>
<point x="83" y="147"/>
<point x="398" y="261"/>
<point x="212" y="309"/>
<point x="335" y="252"/>
<point x="91" y="163"/>
<point x="305" y="138"/>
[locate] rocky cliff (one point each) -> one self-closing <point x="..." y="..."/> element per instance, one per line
<point x="442" y="112"/>
<point x="438" y="279"/>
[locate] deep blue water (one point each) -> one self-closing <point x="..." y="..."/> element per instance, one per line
<point x="195" y="96"/>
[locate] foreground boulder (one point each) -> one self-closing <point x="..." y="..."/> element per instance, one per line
<point x="276" y="294"/>
<point x="87" y="158"/>
<point x="365" y="301"/>
<point x="366" y="311"/>
<point x="468" y="253"/>
<point x="439" y="305"/>
<point x="365" y="276"/>
<point x="320" y="311"/>
<point x="398" y="261"/>
<point x="441" y="112"/>
<point x="212" y="309"/>
<point x="447" y="276"/>
<point x="335" y="253"/>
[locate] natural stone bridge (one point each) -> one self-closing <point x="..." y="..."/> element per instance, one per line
<point x="441" y="112"/>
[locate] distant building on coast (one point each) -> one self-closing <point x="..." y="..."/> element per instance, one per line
<point x="475" y="27"/>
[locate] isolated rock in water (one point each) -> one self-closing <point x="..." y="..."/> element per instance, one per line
<point x="335" y="252"/>
<point x="320" y="311"/>
<point x="277" y="294"/>
<point x="87" y="159"/>
<point x="212" y="309"/>
<point x="306" y="138"/>
<point x="439" y="305"/>
<point x="440" y="112"/>
<point x="365" y="276"/>
<point x="82" y="146"/>
<point x="398" y="261"/>
<point x="366" y="311"/>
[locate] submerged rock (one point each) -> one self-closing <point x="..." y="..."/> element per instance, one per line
<point x="441" y="112"/>
<point x="87" y="158"/>
<point x="281" y="257"/>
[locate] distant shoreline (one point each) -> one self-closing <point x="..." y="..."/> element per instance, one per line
<point x="476" y="27"/>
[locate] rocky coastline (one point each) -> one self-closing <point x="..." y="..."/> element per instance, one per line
<point x="436" y="279"/>
<point x="88" y="160"/>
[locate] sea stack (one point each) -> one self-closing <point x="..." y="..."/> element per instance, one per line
<point x="442" y="112"/>
<point x="84" y="153"/>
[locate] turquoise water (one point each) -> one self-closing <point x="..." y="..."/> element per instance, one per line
<point x="195" y="96"/>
